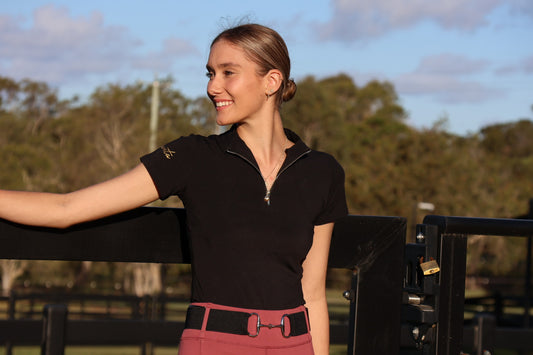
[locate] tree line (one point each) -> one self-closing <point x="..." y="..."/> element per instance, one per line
<point x="58" y="145"/>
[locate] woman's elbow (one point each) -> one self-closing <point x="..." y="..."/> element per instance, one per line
<point x="315" y="293"/>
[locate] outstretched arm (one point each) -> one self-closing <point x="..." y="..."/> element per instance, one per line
<point x="314" y="287"/>
<point x="130" y="190"/>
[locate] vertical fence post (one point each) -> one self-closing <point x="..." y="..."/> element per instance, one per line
<point x="527" y="285"/>
<point x="146" y="348"/>
<point x="485" y="333"/>
<point x="351" y="295"/>
<point x="54" y="327"/>
<point x="11" y="310"/>
<point x="452" y="294"/>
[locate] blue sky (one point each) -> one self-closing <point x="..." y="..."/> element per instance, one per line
<point x="470" y="61"/>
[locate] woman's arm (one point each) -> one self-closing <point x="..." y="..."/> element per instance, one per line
<point x="130" y="190"/>
<point x="314" y="287"/>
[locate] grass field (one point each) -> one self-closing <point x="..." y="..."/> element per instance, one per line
<point x="25" y="350"/>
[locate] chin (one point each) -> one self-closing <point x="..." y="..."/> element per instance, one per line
<point x="221" y="121"/>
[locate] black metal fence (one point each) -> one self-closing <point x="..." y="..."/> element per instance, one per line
<point x="24" y="305"/>
<point x="370" y="246"/>
<point x="404" y="299"/>
<point x="435" y="290"/>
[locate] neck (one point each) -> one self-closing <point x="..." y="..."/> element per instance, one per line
<point x="268" y="142"/>
<point x="265" y="138"/>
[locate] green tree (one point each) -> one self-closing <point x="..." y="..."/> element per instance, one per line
<point x="26" y="152"/>
<point x="47" y="144"/>
<point x="359" y="126"/>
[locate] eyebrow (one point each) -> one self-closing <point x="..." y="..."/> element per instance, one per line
<point x="224" y="65"/>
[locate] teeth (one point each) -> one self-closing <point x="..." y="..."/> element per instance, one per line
<point x="222" y="103"/>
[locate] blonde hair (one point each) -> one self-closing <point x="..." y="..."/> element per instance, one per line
<point x="267" y="49"/>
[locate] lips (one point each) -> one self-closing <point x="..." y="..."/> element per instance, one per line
<point x="223" y="103"/>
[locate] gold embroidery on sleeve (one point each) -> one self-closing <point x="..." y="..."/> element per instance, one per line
<point x="168" y="153"/>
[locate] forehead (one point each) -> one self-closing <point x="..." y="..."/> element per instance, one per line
<point x="223" y="52"/>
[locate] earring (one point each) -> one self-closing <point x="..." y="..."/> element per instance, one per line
<point x="268" y="94"/>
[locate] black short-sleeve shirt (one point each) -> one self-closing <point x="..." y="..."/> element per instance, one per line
<point x="247" y="252"/>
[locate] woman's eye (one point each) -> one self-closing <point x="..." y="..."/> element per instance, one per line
<point x="210" y="75"/>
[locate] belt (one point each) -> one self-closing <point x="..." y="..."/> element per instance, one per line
<point x="234" y="322"/>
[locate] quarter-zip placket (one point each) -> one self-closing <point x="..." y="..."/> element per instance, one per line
<point x="283" y="169"/>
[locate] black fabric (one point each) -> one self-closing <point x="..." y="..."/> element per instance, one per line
<point x="228" y="322"/>
<point x="298" y="323"/>
<point x="233" y="322"/>
<point x="195" y="317"/>
<point x="247" y="253"/>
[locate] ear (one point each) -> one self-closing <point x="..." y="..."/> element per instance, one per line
<point x="274" y="78"/>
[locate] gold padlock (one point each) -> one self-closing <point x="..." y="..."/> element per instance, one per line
<point x="430" y="267"/>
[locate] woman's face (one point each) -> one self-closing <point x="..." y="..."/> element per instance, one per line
<point x="235" y="87"/>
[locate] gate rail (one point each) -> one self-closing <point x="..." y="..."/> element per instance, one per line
<point x="436" y="317"/>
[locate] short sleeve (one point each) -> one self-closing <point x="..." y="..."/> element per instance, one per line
<point x="335" y="203"/>
<point x="170" y="165"/>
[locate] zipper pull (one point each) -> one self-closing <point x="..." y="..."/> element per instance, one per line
<point x="267" y="197"/>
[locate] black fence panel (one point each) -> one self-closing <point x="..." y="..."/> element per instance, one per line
<point x="146" y="234"/>
<point x="372" y="247"/>
<point x="437" y="289"/>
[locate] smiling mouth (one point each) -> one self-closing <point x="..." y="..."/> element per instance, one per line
<point x="221" y="104"/>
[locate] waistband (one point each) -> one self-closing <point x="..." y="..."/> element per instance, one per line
<point x="247" y="322"/>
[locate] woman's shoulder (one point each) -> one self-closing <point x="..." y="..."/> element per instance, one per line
<point x="318" y="159"/>
<point x="194" y="140"/>
<point x="189" y="139"/>
<point x="325" y="158"/>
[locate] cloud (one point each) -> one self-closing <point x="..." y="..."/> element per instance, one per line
<point x="522" y="7"/>
<point x="162" y="60"/>
<point x="445" y="77"/>
<point x="57" y="47"/>
<point x="448" y="90"/>
<point x="528" y="65"/>
<point x="450" y="64"/>
<point x="525" y="66"/>
<point x="365" y="19"/>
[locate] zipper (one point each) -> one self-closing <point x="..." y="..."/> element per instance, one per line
<point x="267" y="192"/>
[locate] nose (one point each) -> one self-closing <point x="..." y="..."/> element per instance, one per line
<point x="213" y="87"/>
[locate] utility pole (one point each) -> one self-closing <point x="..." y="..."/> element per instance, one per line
<point x="154" y="115"/>
<point x="153" y="271"/>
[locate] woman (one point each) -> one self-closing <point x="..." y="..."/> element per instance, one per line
<point x="260" y="208"/>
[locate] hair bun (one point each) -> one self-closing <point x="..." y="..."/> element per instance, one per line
<point x="289" y="90"/>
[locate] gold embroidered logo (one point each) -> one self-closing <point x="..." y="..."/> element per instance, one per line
<point x="168" y="153"/>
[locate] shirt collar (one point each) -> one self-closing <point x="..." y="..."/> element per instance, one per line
<point x="231" y="142"/>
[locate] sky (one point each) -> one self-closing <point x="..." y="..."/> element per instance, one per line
<point x="469" y="62"/>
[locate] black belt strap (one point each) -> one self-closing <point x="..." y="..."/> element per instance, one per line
<point x="234" y="322"/>
<point x="195" y="317"/>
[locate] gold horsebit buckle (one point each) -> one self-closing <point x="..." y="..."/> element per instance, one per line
<point x="259" y="325"/>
